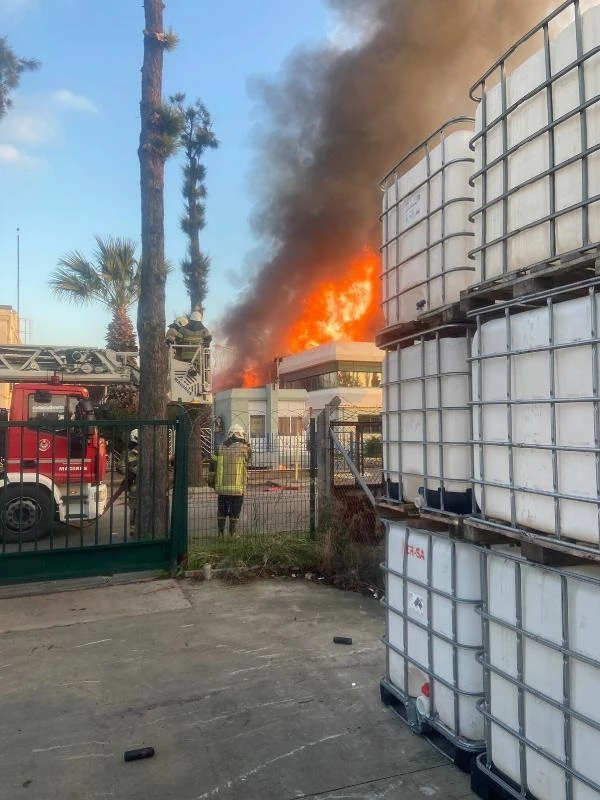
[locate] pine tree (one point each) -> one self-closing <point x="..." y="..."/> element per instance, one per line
<point x="159" y="135"/>
<point x="196" y="137"/>
<point x="11" y="69"/>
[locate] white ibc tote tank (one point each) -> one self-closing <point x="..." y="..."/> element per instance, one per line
<point x="536" y="390"/>
<point x="426" y="421"/>
<point x="426" y="231"/>
<point x="433" y="633"/>
<point x="537" y="180"/>
<point x="542" y="665"/>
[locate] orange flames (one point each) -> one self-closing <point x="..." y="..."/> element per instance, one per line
<point x="251" y="378"/>
<point x="346" y="308"/>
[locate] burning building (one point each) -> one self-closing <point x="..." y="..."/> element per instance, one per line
<point x="331" y="125"/>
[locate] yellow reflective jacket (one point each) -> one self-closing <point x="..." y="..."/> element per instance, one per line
<point x="230" y="465"/>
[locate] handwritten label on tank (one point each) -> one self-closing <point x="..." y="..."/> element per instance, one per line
<point x="416" y="603"/>
<point x="413" y="207"/>
<point x="415" y="552"/>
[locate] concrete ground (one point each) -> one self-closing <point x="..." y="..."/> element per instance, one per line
<point x="239" y="689"/>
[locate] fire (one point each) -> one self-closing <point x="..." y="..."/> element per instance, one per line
<point x="335" y="309"/>
<point x="347" y="308"/>
<point x="251" y="377"/>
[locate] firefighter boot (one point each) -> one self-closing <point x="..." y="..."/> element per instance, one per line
<point x="221" y="525"/>
<point x="232" y="526"/>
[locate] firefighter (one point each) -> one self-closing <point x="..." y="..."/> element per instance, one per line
<point x="230" y="472"/>
<point x="196" y="329"/>
<point x="174" y="331"/>
<point x="187" y="334"/>
<point x="128" y="466"/>
<point x="193" y="335"/>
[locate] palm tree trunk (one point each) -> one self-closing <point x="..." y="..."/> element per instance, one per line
<point x="152" y="476"/>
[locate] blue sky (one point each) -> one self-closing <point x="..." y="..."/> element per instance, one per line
<point x="68" y="147"/>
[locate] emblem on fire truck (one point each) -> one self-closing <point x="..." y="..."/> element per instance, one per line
<point x="44" y="444"/>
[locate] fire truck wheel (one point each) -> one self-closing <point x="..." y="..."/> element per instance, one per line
<point x="26" y="513"/>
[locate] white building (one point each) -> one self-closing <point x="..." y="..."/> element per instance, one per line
<point x="275" y="420"/>
<point x="350" y="371"/>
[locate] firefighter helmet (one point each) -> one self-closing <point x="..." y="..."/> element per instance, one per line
<point x="134" y="436"/>
<point x="196" y="316"/>
<point x="237" y="432"/>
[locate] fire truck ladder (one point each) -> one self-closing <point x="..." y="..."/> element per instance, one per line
<point x="25" y="363"/>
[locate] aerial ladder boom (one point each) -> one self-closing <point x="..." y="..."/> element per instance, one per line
<point x="189" y="368"/>
<point x="28" y="363"/>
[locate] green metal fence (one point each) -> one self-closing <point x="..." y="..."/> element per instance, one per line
<point x="90" y="530"/>
<point x="280" y="496"/>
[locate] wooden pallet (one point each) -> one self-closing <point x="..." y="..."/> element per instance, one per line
<point x="536" y="547"/>
<point x="452" y="319"/>
<point x="453" y="522"/>
<point x="396" y="511"/>
<point x="522" y="283"/>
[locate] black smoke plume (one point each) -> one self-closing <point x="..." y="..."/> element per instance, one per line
<point x="332" y="124"/>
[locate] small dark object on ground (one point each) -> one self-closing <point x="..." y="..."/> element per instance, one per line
<point x="342" y="640"/>
<point x="140" y="752"/>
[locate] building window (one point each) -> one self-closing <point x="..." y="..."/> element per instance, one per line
<point x="290" y="426"/>
<point x="333" y="380"/>
<point x="257" y="426"/>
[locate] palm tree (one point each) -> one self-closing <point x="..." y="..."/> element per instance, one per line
<point x="112" y="278"/>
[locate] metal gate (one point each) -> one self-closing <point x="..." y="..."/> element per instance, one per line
<point x="350" y="469"/>
<point x="70" y="505"/>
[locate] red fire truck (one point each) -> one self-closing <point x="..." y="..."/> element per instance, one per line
<point x="52" y="460"/>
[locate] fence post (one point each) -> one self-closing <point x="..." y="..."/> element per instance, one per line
<point x="313" y="478"/>
<point x="179" y="515"/>
<point x="323" y="461"/>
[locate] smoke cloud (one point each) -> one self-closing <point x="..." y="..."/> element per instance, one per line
<point x="332" y="124"/>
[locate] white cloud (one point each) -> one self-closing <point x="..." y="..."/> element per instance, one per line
<point x="9" y="154"/>
<point x="79" y="102"/>
<point x="31" y="122"/>
<point x="38" y="122"/>
<point x="26" y="124"/>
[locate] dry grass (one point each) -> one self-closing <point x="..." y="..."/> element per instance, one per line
<point x="250" y="557"/>
<point x="334" y="556"/>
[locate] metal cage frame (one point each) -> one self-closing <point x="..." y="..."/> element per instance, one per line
<point x="391" y="180"/>
<point x="452" y="735"/>
<point x="497" y="74"/>
<point x="485" y="761"/>
<point x="431" y="482"/>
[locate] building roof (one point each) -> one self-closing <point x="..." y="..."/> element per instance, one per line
<point x="352" y="352"/>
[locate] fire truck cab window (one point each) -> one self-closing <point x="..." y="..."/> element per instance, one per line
<point x="52" y="407"/>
